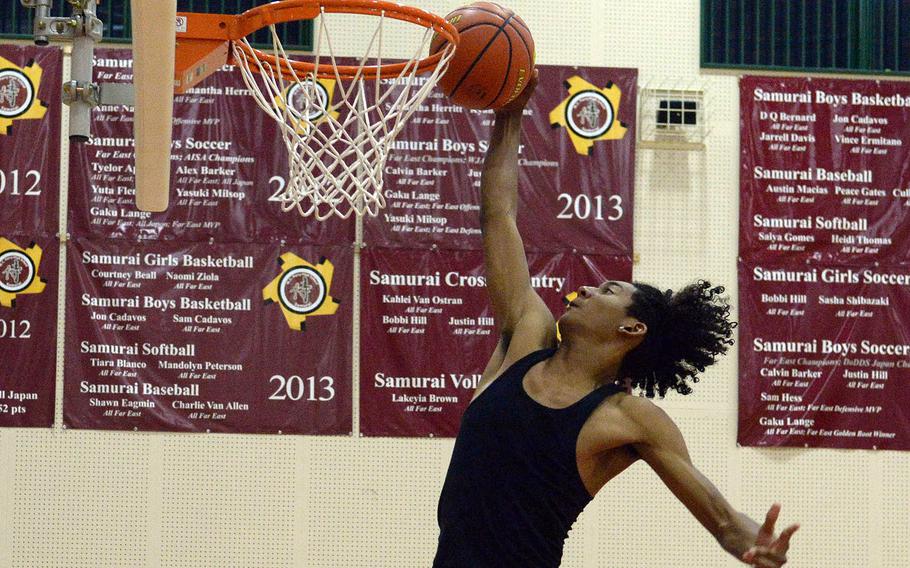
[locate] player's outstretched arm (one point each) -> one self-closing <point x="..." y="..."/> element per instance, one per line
<point x="661" y="445"/>
<point x="516" y="306"/>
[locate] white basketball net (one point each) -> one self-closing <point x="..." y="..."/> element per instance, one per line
<point x="337" y="152"/>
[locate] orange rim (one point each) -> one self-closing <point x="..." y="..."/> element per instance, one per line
<point x="235" y="28"/>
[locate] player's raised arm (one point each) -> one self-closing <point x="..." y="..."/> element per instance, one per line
<point x="508" y="280"/>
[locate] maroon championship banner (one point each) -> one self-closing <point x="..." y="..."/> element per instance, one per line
<point x="824" y="263"/>
<point x="824" y="356"/>
<point x="576" y="168"/>
<point x="823" y="174"/>
<point x="30" y="79"/>
<point x="228" y="165"/>
<point x="427" y="330"/>
<point x="208" y="337"/>
<point x="28" y="330"/>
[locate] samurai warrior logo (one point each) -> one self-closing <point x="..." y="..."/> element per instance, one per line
<point x="302" y="289"/>
<point x="18" y="272"/>
<point x="589" y="114"/>
<point x="18" y="93"/>
<point x="308" y="102"/>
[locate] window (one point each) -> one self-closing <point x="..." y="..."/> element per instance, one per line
<point x="844" y="36"/>
<point x="16" y="20"/>
<point x="672" y="113"/>
<point x="671" y="118"/>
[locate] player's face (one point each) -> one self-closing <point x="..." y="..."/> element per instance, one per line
<point x="601" y="309"/>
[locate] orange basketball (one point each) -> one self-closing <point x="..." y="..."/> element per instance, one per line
<point x="494" y="57"/>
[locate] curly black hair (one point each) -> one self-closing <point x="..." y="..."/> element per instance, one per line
<point x="687" y="331"/>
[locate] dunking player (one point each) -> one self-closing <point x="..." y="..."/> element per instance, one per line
<point x="551" y="424"/>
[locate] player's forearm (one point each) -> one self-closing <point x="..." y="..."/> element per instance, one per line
<point x="499" y="179"/>
<point x="739" y="535"/>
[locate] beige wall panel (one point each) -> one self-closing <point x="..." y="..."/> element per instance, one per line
<point x="653" y="35"/>
<point x="7" y="475"/>
<point x="80" y="499"/>
<point x="372" y="501"/>
<point x="829" y="491"/>
<point x="894" y="515"/>
<point x="227" y="500"/>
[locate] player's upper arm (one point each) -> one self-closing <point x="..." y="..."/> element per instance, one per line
<point x="509" y="280"/>
<point x="660" y="444"/>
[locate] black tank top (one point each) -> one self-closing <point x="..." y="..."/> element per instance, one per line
<point x="513" y="489"/>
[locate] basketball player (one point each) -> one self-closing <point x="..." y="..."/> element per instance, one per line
<point x="550" y="424"/>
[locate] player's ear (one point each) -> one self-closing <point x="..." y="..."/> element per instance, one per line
<point x="635" y="328"/>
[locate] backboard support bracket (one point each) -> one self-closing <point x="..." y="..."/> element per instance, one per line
<point x="83" y="29"/>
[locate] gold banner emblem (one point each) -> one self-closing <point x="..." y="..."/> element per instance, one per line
<point x="310" y="103"/>
<point x="302" y="289"/>
<point x="19" y="93"/>
<point x="589" y="114"/>
<point x="19" y="271"/>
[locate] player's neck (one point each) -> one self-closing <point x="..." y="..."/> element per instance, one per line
<point x="585" y="364"/>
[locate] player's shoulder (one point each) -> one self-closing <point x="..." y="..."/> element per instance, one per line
<point x="643" y="414"/>
<point x="640" y="408"/>
<point x="622" y="419"/>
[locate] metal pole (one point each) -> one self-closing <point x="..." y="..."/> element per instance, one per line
<point x="42" y="12"/>
<point x="80" y="109"/>
<point x="82" y="99"/>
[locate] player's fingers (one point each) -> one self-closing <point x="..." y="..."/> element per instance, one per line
<point x="767" y="563"/>
<point x="782" y="544"/>
<point x="767" y="527"/>
<point x="763" y="556"/>
<point x="788" y="532"/>
<point x="760" y="562"/>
